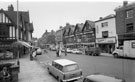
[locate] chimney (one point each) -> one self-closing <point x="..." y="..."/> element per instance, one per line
<point x="101" y="18"/>
<point x="60" y="27"/>
<point x="67" y="24"/>
<point x="125" y="3"/>
<point x="10" y="8"/>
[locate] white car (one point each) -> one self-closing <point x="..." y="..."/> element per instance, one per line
<point x="69" y="50"/>
<point x="65" y="70"/>
<point x="118" y="51"/>
<point x="76" y="51"/>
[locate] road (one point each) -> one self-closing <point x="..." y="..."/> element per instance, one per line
<point x="123" y="68"/>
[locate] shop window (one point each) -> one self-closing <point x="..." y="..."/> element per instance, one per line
<point x="130" y="27"/>
<point x="129" y="13"/>
<point x="105" y="34"/>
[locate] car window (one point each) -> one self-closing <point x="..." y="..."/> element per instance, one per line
<point x="70" y="68"/>
<point x="121" y="47"/>
<point x="87" y="80"/>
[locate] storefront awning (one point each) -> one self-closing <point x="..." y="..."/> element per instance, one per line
<point x="21" y="43"/>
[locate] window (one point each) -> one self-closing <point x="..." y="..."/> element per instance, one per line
<point x="105" y="24"/>
<point x="105" y="34"/>
<point x="129" y="13"/>
<point x="130" y="27"/>
<point x="70" y="68"/>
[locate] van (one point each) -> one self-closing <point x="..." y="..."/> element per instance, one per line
<point x="65" y="70"/>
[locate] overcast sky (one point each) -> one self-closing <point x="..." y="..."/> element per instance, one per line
<point x="50" y="14"/>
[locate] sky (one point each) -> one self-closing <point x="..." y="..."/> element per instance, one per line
<point x="51" y="14"/>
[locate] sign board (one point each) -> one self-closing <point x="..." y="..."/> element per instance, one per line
<point x="106" y="40"/>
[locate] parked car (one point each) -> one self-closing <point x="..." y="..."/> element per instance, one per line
<point x="118" y="51"/>
<point x="102" y="78"/>
<point x="65" y="70"/>
<point x="76" y="51"/>
<point x="92" y="51"/>
<point x="69" y="50"/>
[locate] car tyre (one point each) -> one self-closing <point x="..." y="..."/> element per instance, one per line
<point x="115" y="55"/>
<point x="49" y="71"/>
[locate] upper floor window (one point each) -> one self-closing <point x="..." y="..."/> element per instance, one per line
<point x="104" y="24"/>
<point x="105" y="34"/>
<point x="130" y="27"/>
<point x="129" y="13"/>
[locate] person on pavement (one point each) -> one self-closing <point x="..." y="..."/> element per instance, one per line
<point x="4" y="75"/>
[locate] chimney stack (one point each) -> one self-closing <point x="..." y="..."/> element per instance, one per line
<point x="125" y="3"/>
<point x="10" y="8"/>
<point x="67" y="24"/>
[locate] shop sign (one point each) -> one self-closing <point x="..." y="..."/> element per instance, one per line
<point x="105" y="40"/>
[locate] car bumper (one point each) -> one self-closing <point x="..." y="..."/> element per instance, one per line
<point x="73" y="79"/>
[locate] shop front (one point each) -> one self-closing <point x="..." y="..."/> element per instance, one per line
<point x="106" y="45"/>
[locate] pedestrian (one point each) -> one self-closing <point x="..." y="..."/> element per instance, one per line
<point x="60" y="51"/>
<point x="57" y="52"/>
<point x="5" y="75"/>
<point x="65" y="51"/>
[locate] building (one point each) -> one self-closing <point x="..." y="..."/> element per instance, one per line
<point x="9" y="32"/>
<point x="68" y="34"/>
<point x="106" y="37"/>
<point x="81" y="35"/>
<point x="59" y="37"/>
<point x="125" y="25"/>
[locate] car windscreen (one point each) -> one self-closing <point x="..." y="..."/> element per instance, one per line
<point x="70" y="68"/>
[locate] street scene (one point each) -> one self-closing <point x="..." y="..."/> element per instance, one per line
<point x="67" y="41"/>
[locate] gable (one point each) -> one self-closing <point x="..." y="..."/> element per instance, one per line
<point x="89" y="25"/>
<point x="4" y="18"/>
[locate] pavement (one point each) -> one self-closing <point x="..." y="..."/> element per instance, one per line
<point x="106" y="54"/>
<point x="32" y="71"/>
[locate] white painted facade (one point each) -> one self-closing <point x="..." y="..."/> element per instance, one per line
<point x="108" y="25"/>
<point x="111" y="28"/>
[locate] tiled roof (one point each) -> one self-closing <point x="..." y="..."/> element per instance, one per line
<point x="13" y="16"/>
<point x="79" y="27"/>
<point x="72" y="28"/>
<point x="107" y="17"/>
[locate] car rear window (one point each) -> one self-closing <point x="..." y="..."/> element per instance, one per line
<point x="71" y="68"/>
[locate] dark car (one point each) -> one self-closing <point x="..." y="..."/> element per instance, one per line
<point x="92" y="51"/>
<point x="102" y="78"/>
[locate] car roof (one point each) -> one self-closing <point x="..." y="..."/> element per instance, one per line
<point x="64" y="62"/>
<point x="103" y="78"/>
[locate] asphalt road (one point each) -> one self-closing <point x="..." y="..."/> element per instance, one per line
<point x="122" y="68"/>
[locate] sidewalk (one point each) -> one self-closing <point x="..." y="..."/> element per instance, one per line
<point x="31" y="71"/>
<point x="106" y="54"/>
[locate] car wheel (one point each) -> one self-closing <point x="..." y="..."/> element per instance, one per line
<point x="115" y="55"/>
<point x="49" y="71"/>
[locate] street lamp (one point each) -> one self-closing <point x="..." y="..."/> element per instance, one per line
<point x="18" y="62"/>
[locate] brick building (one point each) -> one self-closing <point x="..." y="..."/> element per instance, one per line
<point x="125" y="25"/>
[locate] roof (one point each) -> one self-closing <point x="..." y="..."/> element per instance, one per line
<point x="72" y="28"/>
<point x="91" y="25"/>
<point x="103" y="78"/>
<point x="79" y="27"/>
<point x="107" y="17"/>
<point x="21" y="14"/>
<point x="64" y="62"/>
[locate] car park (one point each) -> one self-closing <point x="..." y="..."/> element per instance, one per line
<point x="65" y="70"/>
<point x="102" y="78"/>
